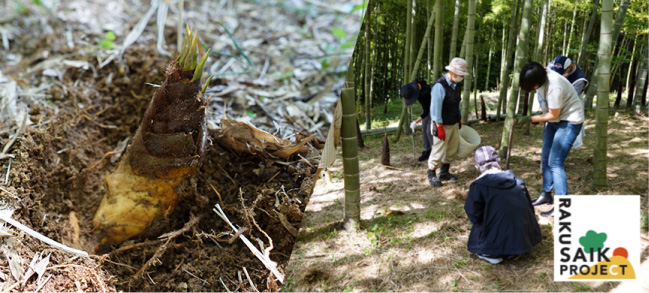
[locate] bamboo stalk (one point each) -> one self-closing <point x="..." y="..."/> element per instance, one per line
<point x="586" y="35"/>
<point x="413" y="73"/>
<point x="470" y="31"/>
<point x="352" y="213"/>
<point x="521" y="56"/>
<point x="504" y="75"/>
<point x="456" y="21"/>
<point x="601" y="113"/>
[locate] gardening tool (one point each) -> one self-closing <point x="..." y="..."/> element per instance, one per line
<point x="414" y="153"/>
<point x="509" y="145"/>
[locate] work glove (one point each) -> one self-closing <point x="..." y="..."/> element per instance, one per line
<point x="413" y="125"/>
<point x="439" y="131"/>
<point x="460" y="125"/>
<point x="522" y="120"/>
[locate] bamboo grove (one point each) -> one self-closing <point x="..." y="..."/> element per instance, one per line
<point x="406" y="40"/>
<point x="570" y="28"/>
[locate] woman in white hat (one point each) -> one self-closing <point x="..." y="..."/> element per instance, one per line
<point x="446" y="121"/>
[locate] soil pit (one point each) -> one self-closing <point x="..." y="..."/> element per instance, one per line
<point x="58" y="173"/>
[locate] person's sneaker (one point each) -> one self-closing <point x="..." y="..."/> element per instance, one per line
<point x="491" y="260"/>
<point x="432" y="179"/>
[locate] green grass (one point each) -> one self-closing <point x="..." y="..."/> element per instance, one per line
<point x="288" y="286"/>
<point x="436" y="215"/>
<point x="382" y="118"/>
<point x="391" y="230"/>
<point x="460" y="263"/>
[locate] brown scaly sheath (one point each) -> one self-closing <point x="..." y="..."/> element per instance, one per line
<point x="166" y="150"/>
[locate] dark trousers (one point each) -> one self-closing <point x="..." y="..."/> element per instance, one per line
<point x="425" y="134"/>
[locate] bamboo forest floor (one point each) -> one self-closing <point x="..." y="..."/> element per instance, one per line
<point x="414" y="236"/>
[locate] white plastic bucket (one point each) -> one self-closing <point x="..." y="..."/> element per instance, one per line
<point x="469" y="141"/>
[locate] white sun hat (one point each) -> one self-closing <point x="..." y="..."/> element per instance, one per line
<point x="457" y="66"/>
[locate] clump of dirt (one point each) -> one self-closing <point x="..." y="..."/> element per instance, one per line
<point x="58" y="177"/>
<point x="312" y="276"/>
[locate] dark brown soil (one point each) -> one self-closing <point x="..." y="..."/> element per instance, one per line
<point x="59" y="194"/>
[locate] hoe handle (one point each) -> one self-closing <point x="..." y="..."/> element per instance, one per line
<point x="509" y="145"/>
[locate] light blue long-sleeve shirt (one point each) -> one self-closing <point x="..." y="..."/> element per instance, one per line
<point x="437" y="94"/>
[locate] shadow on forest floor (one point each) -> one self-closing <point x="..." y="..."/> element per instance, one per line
<point x="414" y="237"/>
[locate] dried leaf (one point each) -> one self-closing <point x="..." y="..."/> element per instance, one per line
<point x="287" y="152"/>
<point x="74" y="222"/>
<point x="15" y="261"/>
<point x="286" y="223"/>
<point x="119" y="149"/>
<point x="4" y="233"/>
<point x="245" y="138"/>
<point x="41" y="266"/>
<point x="30" y="271"/>
<point x="16" y="265"/>
<point x="77" y="64"/>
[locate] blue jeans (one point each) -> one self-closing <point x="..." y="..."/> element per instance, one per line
<point x="558" y="138"/>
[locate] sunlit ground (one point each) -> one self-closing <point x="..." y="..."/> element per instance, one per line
<point x="414" y="236"/>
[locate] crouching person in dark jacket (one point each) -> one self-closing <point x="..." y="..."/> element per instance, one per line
<point x="500" y="209"/>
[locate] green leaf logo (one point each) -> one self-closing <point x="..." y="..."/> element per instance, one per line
<point x="592" y="240"/>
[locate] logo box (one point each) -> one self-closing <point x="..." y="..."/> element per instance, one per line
<point x="596" y="237"/>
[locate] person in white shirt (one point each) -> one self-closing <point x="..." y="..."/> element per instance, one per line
<point x="563" y="114"/>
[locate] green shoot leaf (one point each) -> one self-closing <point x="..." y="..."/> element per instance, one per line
<point x="359" y="7"/>
<point x="207" y="83"/>
<point x="107" y="42"/>
<point x="199" y="69"/>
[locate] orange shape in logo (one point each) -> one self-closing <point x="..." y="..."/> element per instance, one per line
<point x="621" y="251"/>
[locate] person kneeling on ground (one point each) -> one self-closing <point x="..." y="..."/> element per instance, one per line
<point x="500" y="210"/>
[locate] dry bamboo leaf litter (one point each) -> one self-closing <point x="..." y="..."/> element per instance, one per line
<point x="69" y="102"/>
